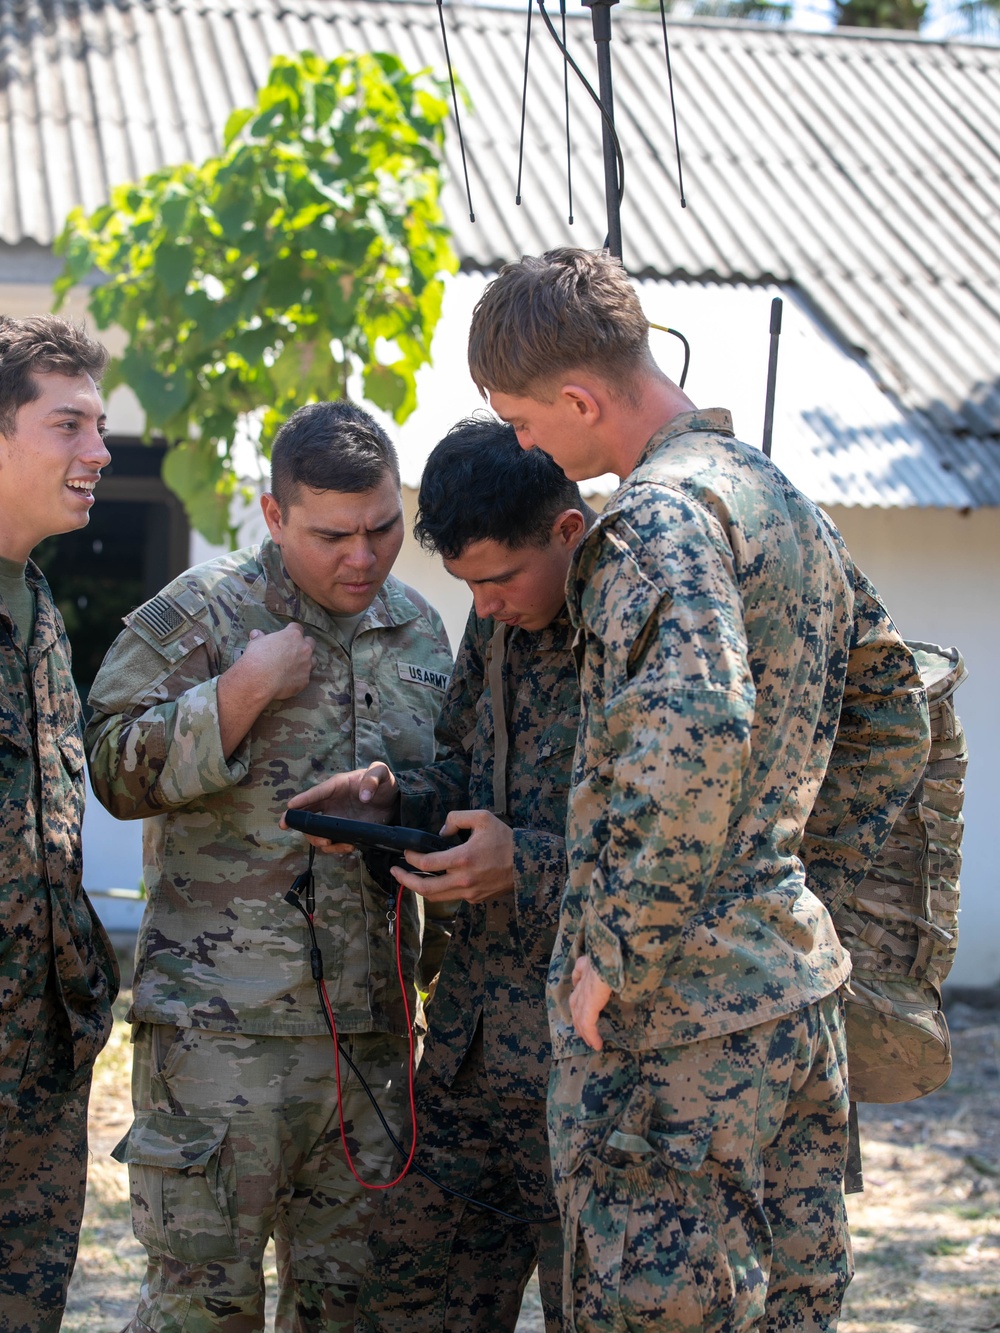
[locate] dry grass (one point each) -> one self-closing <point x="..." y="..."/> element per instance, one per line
<point x="926" y="1230"/>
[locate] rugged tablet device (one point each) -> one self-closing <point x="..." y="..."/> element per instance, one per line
<point x="388" y="837"/>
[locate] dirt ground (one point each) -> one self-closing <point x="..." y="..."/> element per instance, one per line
<point x="926" y="1230"/>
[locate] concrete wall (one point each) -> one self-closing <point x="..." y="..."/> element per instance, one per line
<point x="939" y="574"/>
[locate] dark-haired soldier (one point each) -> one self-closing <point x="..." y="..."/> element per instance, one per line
<point x="239" y="684"/>
<point x="507" y="523"/>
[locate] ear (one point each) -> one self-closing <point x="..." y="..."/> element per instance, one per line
<point x="569" y="527"/>
<point x="582" y="402"/>
<point x="271" y="510"/>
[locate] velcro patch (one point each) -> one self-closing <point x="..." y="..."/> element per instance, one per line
<point x="420" y="675"/>
<point x="160" y="616"/>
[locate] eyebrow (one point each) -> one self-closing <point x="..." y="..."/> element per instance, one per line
<point x="78" y="412"/>
<point x="490" y="578"/>
<point x="379" y="527"/>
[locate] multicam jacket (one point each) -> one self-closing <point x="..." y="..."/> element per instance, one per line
<point x="50" y="934"/>
<point x="499" y="953"/>
<point x="219" y="947"/>
<point x="715" y="607"/>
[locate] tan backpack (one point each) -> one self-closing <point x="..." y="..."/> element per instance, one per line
<point x="900" y="924"/>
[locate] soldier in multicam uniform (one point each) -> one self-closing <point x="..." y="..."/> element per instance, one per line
<point x="234" y="688"/>
<point x="698" y="1104"/>
<point x="58" y="974"/>
<point x="507" y="523"/>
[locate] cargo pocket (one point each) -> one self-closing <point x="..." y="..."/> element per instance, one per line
<point x="182" y="1186"/>
<point x="644" y="1248"/>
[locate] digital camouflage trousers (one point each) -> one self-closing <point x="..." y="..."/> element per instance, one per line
<point x="440" y="1264"/>
<point x="43" y="1174"/>
<point x="701" y="1186"/>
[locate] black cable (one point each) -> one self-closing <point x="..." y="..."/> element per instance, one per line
<point x="673" y="109"/>
<point x="687" y="356"/>
<point x="454" y="101"/>
<point x="293" y="897"/>
<point x="569" y="158"/>
<point x="609" y="121"/>
<point x="687" y="349"/>
<point x="524" y="107"/>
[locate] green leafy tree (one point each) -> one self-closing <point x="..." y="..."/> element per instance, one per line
<point x="978" y="20"/>
<point x="313" y="247"/>
<point x="761" y="11"/>
<point x="906" y="15"/>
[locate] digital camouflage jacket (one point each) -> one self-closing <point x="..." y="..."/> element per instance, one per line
<point x="49" y="928"/>
<point x="219" y="947"/>
<point x="496" y="963"/>
<point x="879" y="751"/>
<point x="716" y="615"/>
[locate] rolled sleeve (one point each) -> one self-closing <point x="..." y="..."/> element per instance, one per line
<point x="169" y="755"/>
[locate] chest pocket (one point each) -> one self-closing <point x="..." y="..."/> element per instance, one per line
<point x="15" y="747"/>
<point x="409" y="704"/>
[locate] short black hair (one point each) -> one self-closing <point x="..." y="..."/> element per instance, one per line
<point x="330" y="447"/>
<point x="480" y="485"/>
<point x="42" y="345"/>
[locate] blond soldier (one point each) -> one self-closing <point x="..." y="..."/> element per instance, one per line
<point x="698" y="1104"/>
<point x="58" y="974"/>
<point x="231" y="690"/>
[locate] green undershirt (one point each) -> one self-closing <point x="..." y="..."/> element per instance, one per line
<point x="18" y="598"/>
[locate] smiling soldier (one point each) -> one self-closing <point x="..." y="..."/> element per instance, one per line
<point x="237" y="686"/>
<point x="57" y="971"/>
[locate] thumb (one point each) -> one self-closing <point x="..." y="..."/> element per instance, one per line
<point x="256" y="634"/>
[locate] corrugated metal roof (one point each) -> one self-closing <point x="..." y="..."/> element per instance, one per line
<point x="862" y="170"/>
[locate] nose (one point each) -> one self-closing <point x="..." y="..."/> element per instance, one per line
<point x="525" y="440"/>
<point x="487" y="601"/>
<point x="95" y="452"/>
<point x="360" y="554"/>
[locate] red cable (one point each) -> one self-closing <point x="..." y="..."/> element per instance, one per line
<point x="336" y="1060"/>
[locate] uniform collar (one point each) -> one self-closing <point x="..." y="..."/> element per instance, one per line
<point x="716" y="419"/>
<point x="555" y="637"/>
<point x="48" y="622"/>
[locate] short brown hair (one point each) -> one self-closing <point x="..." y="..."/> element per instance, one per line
<point x="567" y="309"/>
<point x="334" y="446"/>
<point x="41" y="345"/>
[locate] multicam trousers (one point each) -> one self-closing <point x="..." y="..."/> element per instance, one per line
<point x="43" y="1175"/>
<point x="701" y="1186"/>
<point x="441" y="1265"/>
<point x="237" y="1138"/>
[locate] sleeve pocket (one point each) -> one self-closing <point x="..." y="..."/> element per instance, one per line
<point x="182" y="1186"/>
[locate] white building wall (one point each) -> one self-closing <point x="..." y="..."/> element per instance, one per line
<point x="938" y="571"/>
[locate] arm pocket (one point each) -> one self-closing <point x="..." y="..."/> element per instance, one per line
<point x="182" y="1186"/>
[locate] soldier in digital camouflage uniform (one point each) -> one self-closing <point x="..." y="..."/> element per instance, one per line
<point x="58" y="974"/>
<point x="507" y="522"/>
<point x="698" y="1104"/>
<point x="238" y="685"/>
